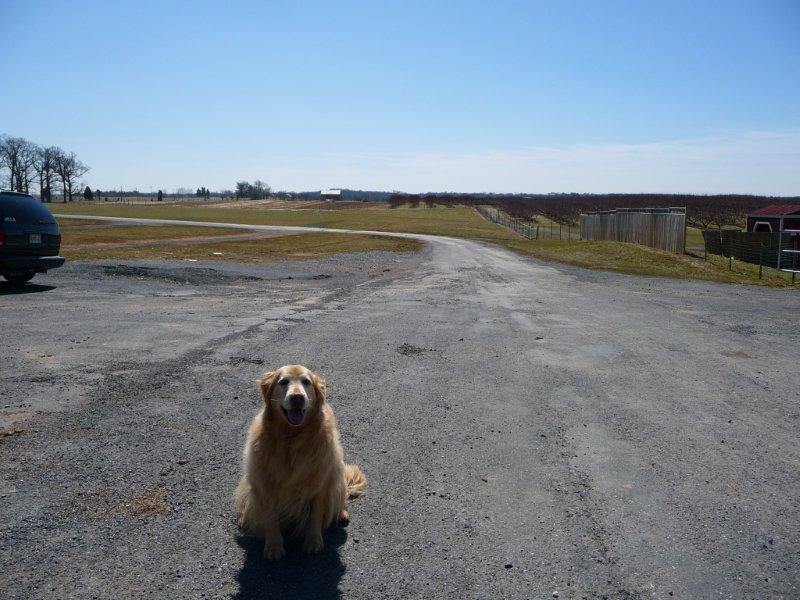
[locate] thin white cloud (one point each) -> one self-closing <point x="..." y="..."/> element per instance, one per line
<point x="760" y="162"/>
<point x="755" y="162"/>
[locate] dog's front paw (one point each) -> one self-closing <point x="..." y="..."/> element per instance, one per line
<point x="344" y="518"/>
<point x="274" y="550"/>
<point x="312" y="544"/>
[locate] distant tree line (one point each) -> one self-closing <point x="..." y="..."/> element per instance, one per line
<point x="701" y="210"/>
<point x="258" y="190"/>
<point x="348" y="195"/>
<point x="181" y="192"/>
<point x="24" y="164"/>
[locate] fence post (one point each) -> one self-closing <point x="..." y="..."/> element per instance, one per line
<point x="730" y="252"/>
<point x="559" y="230"/>
<point x="760" y="258"/>
<point x="685" y="229"/>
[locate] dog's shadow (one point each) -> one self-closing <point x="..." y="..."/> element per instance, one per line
<point x="297" y="575"/>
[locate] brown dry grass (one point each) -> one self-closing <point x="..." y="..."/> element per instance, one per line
<point x="274" y="204"/>
<point x="150" y="500"/>
<point x="129" y="233"/>
<point x="306" y="245"/>
<point x="459" y="221"/>
<point x="104" y="501"/>
<point x="70" y="223"/>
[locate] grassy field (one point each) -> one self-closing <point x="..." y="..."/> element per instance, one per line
<point x="79" y="236"/>
<point x="73" y="223"/>
<point x="694" y="238"/>
<point x="640" y="260"/>
<point x="457" y="222"/>
<point x="298" y="246"/>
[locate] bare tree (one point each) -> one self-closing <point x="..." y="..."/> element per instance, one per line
<point x="26" y="167"/>
<point x="26" y="161"/>
<point x="45" y="169"/>
<point x="8" y="159"/>
<point x="18" y="156"/>
<point x="5" y="179"/>
<point x="69" y="170"/>
<point x="260" y="190"/>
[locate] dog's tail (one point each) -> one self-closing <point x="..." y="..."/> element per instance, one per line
<point x="356" y="481"/>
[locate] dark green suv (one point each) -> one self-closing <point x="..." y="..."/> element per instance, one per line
<point x="29" y="238"/>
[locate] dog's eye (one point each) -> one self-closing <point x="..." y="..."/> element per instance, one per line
<point x="283" y="382"/>
<point x="305" y="381"/>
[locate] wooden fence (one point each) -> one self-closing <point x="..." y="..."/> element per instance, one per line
<point x="663" y="228"/>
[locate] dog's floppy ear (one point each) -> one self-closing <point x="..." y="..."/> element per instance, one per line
<point x="319" y="387"/>
<point x="265" y="385"/>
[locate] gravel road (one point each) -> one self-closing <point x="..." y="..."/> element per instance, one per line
<point x="528" y="430"/>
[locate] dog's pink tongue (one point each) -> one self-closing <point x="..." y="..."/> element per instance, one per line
<point x="295" y="416"/>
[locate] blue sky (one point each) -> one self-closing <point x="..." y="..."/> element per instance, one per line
<point x="462" y="96"/>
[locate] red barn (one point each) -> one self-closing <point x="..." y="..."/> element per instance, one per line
<point x="775" y="218"/>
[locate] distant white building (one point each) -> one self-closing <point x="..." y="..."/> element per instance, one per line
<point x="331" y="194"/>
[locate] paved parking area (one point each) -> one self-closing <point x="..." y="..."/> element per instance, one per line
<point x="525" y="429"/>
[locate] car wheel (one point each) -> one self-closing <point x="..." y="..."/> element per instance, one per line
<point x="19" y="278"/>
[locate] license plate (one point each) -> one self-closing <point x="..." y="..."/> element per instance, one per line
<point x="35" y="238"/>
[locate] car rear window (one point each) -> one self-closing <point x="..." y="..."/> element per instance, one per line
<point x="23" y="209"/>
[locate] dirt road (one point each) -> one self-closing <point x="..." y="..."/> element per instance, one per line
<point x="527" y="430"/>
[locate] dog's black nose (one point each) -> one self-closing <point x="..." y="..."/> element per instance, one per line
<point x="297" y="400"/>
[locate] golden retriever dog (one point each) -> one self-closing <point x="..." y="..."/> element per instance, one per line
<point x="294" y="480"/>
